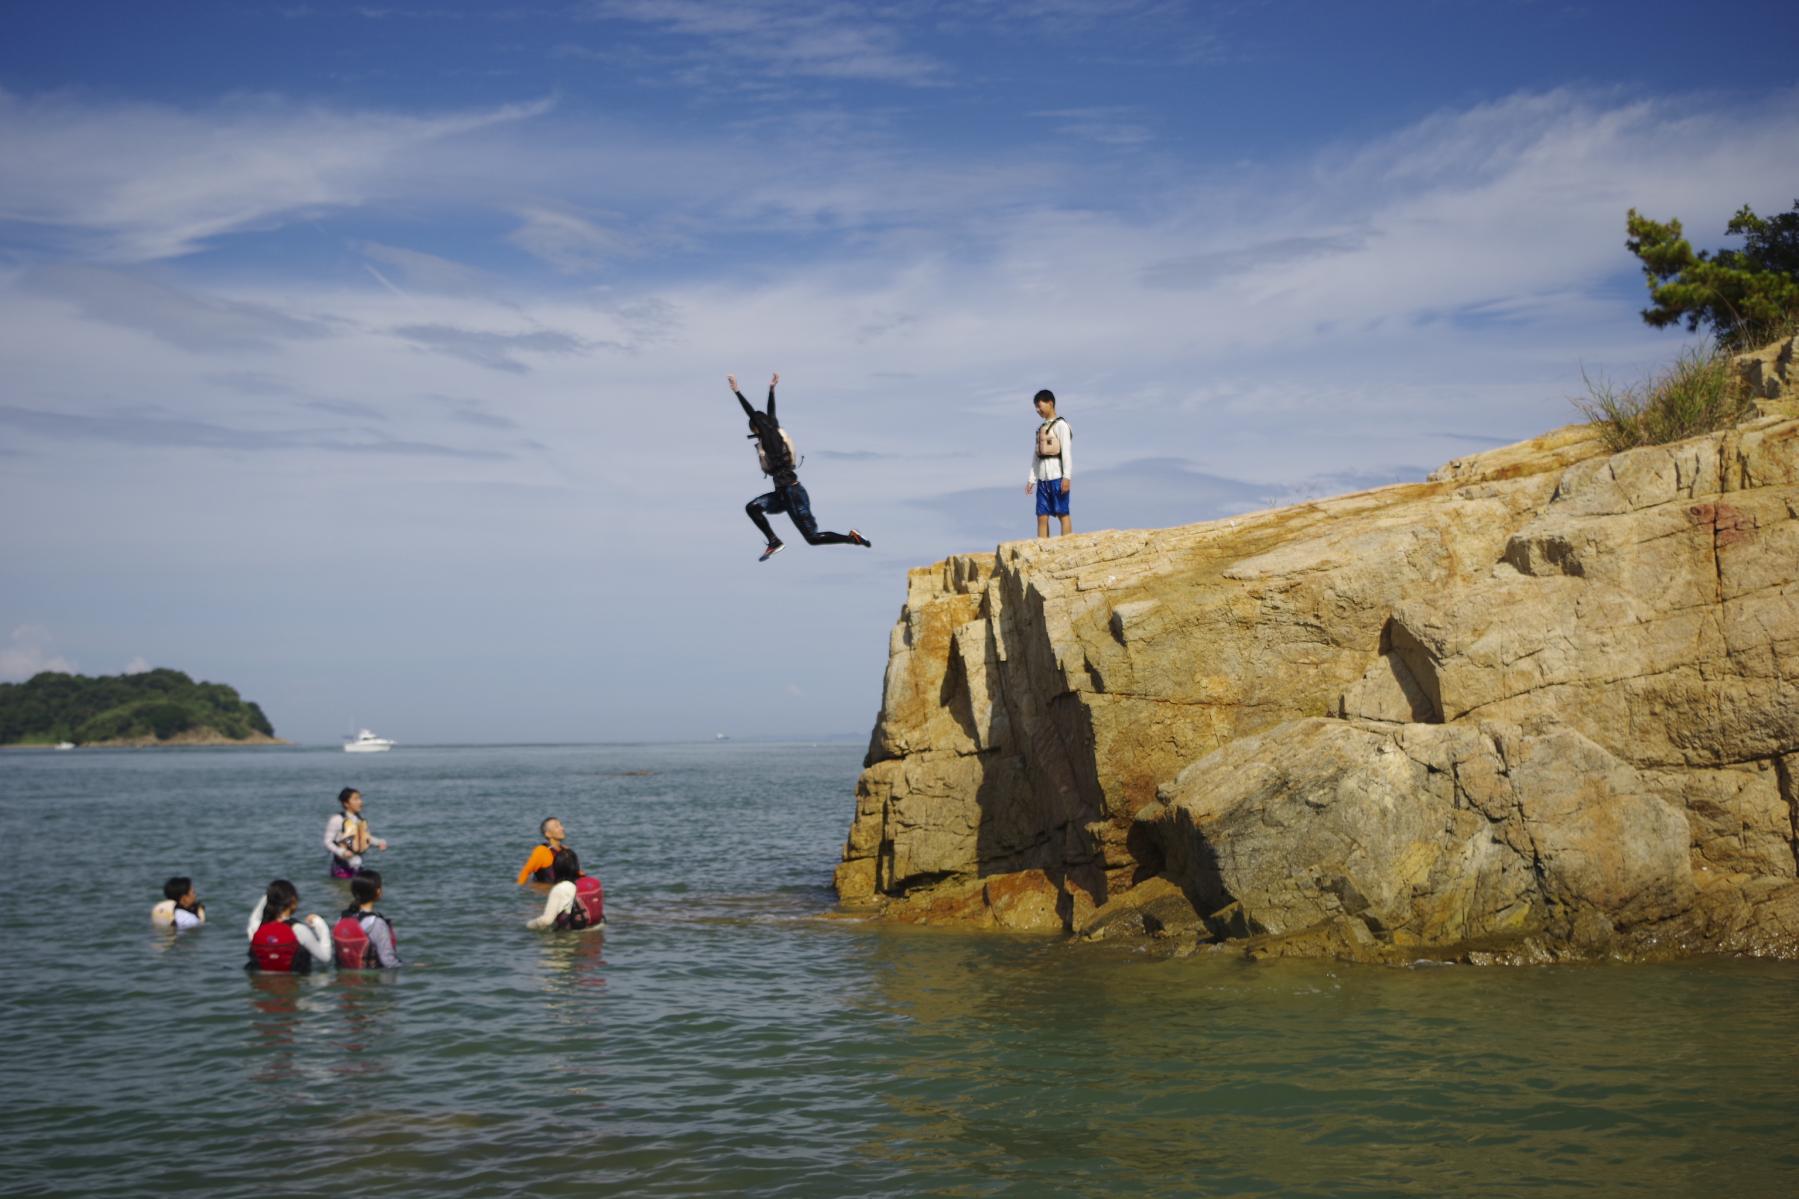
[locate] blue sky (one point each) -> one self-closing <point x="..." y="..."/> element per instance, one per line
<point x="370" y="357"/>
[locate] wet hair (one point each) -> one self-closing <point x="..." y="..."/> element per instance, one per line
<point x="176" y="887"/>
<point x="565" y="867"/>
<point x="279" y="897"/>
<point x="544" y="827"/>
<point x="343" y="797"/>
<point x="365" y="886"/>
<point x="1046" y="396"/>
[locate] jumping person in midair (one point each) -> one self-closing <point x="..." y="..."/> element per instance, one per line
<point x="775" y="452"/>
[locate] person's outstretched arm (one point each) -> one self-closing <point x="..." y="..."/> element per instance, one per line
<point x="1067" y="457"/>
<point x="747" y="409"/>
<point x="255" y="917"/>
<point x="771" y="396"/>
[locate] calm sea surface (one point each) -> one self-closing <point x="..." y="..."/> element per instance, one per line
<point x="725" y="1035"/>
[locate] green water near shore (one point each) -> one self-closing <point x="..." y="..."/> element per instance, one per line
<point x="728" y="1035"/>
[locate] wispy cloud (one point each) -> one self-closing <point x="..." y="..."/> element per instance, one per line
<point x="1107" y="125"/>
<point x="495" y="351"/>
<point x="149" y="430"/>
<point x="569" y="243"/>
<point x="171" y="313"/>
<point x="427" y="271"/>
<point x="139" y="182"/>
<point x="780" y="38"/>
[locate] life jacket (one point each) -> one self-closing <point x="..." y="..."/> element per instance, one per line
<point x="274" y="949"/>
<point x="775" y="452"/>
<point x="1049" y="445"/>
<point x="588" y="910"/>
<point x="346" y="834"/>
<point x="545" y="874"/>
<point x="350" y="941"/>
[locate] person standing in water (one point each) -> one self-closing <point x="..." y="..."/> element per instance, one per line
<point x="364" y="938"/>
<point x="537" y="868"/>
<point x="1052" y="465"/>
<point x="774" y="450"/>
<point x="180" y="908"/>
<point x="280" y="942"/>
<point x="347" y="835"/>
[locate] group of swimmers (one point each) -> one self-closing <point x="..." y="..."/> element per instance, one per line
<point x="282" y="942"/>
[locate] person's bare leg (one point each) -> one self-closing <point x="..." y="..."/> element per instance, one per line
<point x="1043" y="526"/>
<point x="1067" y="525"/>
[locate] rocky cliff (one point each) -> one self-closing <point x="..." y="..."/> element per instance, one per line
<point x="1544" y="704"/>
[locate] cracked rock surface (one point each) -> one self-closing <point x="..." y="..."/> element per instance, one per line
<point x="1544" y="704"/>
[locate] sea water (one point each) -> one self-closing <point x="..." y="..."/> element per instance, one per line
<point x="727" y="1034"/>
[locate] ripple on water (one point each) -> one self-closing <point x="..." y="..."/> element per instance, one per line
<point x="720" y="1038"/>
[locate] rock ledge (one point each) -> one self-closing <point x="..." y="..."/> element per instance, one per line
<point x="1543" y="705"/>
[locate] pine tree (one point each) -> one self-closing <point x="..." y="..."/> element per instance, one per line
<point x="1745" y="296"/>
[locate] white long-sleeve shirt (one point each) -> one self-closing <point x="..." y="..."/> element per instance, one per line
<point x="334" y="836"/>
<point x="1059" y="467"/>
<point x="313" y="934"/>
<point x="558" y="901"/>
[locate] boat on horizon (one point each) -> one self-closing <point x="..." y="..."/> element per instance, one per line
<point x="365" y="742"/>
<point x="65" y="745"/>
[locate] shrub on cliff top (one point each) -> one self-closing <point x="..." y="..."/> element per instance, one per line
<point x="1697" y="394"/>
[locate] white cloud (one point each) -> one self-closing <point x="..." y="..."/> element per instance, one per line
<point x="134" y="183"/>
<point x="137" y="665"/>
<point x="569" y="243"/>
<point x="31" y="650"/>
<point x="783" y="38"/>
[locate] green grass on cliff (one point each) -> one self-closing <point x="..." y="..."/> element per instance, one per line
<point x="160" y="704"/>
<point x="1699" y="393"/>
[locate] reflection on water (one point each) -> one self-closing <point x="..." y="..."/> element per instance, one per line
<point x="721" y="1037"/>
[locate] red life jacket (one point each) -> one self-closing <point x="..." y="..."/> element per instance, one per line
<point x="275" y="950"/>
<point x="589" y="908"/>
<point x="351" y="941"/>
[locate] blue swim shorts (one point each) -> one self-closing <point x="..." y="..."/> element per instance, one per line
<point x="1051" y="499"/>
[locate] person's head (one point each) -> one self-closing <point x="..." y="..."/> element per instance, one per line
<point x="1045" y="403"/>
<point x="365" y="887"/>
<point x="350" y="800"/>
<point x="551" y="828"/>
<point x="180" y="889"/>
<point x="565" y="867"/>
<point x="280" y="900"/>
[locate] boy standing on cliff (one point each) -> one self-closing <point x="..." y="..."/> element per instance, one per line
<point x="1052" y="465"/>
<point x="774" y="450"/>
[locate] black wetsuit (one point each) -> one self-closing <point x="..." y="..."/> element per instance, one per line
<point x="788" y="496"/>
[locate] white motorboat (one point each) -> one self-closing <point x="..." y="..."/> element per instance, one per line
<point x="366" y="742"/>
<point x="65" y="745"/>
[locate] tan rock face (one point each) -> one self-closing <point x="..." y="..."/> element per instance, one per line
<point x="1546" y="702"/>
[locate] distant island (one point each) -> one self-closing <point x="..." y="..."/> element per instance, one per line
<point x="154" y="707"/>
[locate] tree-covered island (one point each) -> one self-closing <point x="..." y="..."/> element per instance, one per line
<point x="155" y="707"/>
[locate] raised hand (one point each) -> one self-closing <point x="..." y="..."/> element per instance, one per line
<point x="732" y="380"/>
<point x="775" y="380"/>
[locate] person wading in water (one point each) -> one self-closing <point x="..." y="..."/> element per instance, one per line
<point x="775" y="452"/>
